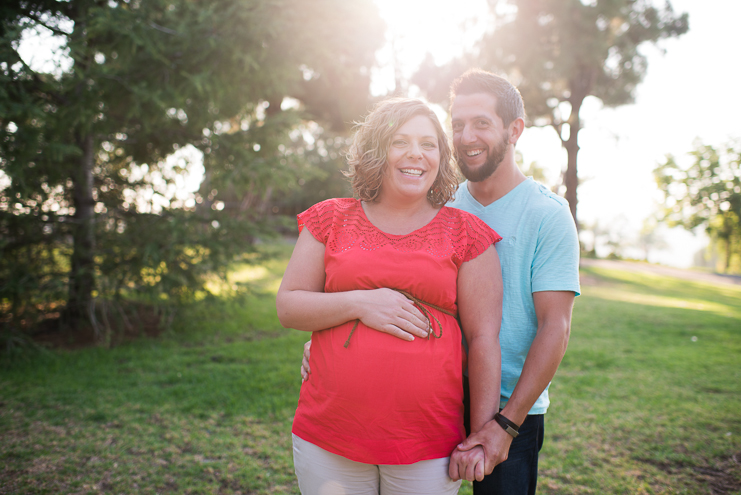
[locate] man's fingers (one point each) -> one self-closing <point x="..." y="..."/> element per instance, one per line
<point x="470" y="442"/>
<point x="305" y="360"/>
<point x="305" y="368"/>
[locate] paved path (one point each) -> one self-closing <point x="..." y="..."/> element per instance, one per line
<point x="633" y="266"/>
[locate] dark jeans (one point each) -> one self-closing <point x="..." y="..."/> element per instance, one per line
<point x="518" y="475"/>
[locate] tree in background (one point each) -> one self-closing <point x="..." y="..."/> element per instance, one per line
<point x="87" y="210"/>
<point x="650" y="238"/>
<point x="558" y="52"/>
<point x="707" y="193"/>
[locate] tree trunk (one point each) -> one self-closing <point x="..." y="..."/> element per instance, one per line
<point x="729" y="253"/>
<point x="82" y="270"/>
<point x="571" y="179"/>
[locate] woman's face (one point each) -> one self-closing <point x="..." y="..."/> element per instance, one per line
<point x="413" y="161"/>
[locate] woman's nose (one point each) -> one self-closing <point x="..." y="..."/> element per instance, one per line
<point x="415" y="151"/>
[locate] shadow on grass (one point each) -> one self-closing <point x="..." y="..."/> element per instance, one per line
<point x="205" y="408"/>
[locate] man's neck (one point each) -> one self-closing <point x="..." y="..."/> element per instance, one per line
<point x="497" y="185"/>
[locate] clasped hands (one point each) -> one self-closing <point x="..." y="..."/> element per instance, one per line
<point x="480" y="453"/>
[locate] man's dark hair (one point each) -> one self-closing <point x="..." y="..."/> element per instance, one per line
<point x="509" y="101"/>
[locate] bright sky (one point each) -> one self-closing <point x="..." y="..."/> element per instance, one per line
<point x="689" y="92"/>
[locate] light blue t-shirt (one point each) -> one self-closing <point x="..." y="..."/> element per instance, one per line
<point x="539" y="251"/>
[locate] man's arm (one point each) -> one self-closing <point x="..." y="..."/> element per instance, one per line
<point x="553" y="310"/>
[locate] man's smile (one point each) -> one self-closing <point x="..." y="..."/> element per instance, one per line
<point x="474" y="152"/>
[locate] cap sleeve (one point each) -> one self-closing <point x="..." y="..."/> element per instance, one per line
<point x="480" y="237"/>
<point x="318" y="219"/>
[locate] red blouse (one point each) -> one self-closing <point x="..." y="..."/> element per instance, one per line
<point x="383" y="400"/>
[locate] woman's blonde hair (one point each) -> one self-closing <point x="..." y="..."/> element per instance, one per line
<point x="368" y="153"/>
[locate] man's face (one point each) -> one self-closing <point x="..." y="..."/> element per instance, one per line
<point x="479" y="137"/>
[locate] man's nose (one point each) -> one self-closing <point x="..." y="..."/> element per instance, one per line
<point x="467" y="136"/>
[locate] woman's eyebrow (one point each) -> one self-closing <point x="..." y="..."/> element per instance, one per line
<point x="423" y="137"/>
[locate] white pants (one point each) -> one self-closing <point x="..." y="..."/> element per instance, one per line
<point x="323" y="473"/>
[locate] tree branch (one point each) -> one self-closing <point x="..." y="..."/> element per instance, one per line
<point x="163" y="29"/>
<point x="38" y="21"/>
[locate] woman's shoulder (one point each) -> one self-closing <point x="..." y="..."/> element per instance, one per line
<point x="337" y="204"/>
<point x="329" y="206"/>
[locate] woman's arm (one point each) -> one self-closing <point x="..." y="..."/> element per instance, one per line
<point x="480" y="310"/>
<point x="302" y="303"/>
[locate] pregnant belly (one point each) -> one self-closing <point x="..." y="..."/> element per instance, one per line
<point x="378" y="375"/>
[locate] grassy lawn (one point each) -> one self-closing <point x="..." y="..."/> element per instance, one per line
<point x="647" y="400"/>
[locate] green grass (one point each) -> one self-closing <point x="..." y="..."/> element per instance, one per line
<point x="646" y="401"/>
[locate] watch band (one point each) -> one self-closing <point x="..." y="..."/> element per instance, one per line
<point x="507" y="425"/>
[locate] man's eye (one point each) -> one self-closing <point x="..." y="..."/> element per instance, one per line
<point x="482" y="123"/>
<point x="457" y="127"/>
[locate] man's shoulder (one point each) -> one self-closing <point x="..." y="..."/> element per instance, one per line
<point x="539" y="196"/>
<point x="460" y="194"/>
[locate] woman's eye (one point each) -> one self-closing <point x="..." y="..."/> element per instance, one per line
<point x="428" y="145"/>
<point x="399" y="142"/>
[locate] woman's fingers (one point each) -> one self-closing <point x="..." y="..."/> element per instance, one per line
<point x="413" y="327"/>
<point x="453" y="468"/>
<point x="479" y="470"/>
<point x="391" y="312"/>
<point x="409" y="318"/>
<point x="417" y="323"/>
<point x="397" y="332"/>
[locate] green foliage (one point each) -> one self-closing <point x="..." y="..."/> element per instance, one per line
<point x="706" y="193"/>
<point x="561" y="51"/>
<point x="575" y="49"/>
<point x="87" y="203"/>
<point x="320" y="176"/>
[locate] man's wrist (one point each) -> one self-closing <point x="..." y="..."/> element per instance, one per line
<point x="510" y="427"/>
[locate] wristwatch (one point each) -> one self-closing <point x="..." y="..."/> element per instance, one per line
<point x="507" y="425"/>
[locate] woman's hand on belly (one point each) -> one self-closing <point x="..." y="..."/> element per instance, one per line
<point x="390" y="312"/>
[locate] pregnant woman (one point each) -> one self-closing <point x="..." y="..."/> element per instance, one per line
<point x="379" y="279"/>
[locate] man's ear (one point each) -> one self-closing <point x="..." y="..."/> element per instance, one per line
<point x="515" y="130"/>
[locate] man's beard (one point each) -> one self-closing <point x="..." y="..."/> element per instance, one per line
<point x="496" y="156"/>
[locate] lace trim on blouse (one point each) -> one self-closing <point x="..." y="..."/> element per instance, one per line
<point x="452" y="232"/>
